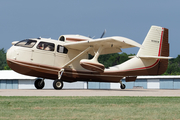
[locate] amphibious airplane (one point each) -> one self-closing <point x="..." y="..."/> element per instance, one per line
<point x="66" y="59"/>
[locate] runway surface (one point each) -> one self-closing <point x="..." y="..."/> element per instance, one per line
<point x="87" y="92"/>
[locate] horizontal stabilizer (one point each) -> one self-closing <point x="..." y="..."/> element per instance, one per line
<point x="152" y="57"/>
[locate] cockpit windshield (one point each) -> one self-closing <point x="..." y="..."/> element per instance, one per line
<point x="26" y="43"/>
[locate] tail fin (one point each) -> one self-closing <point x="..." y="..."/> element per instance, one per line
<point x="156" y="46"/>
<point x="152" y="57"/>
<point x="155" y="43"/>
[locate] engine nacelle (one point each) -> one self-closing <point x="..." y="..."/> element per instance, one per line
<point x="73" y="38"/>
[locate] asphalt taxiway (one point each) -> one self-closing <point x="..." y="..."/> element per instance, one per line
<point x="87" y="92"/>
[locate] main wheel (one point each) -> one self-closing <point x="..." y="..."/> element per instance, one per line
<point x="123" y="86"/>
<point x="58" y="84"/>
<point x="39" y="84"/>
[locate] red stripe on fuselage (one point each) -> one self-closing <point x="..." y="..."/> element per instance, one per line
<point x="159" y="54"/>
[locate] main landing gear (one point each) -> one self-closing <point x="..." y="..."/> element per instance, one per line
<point x="122" y="86"/>
<point x="39" y="83"/>
<point x="58" y="84"/>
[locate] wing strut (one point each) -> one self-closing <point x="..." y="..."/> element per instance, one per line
<point x="60" y="72"/>
<point x="82" y="53"/>
<point x="93" y="64"/>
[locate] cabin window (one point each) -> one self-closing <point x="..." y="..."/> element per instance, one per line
<point x="46" y="46"/>
<point x="62" y="49"/>
<point x="26" y="43"/>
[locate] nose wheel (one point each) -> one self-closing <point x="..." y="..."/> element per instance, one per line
<point x="39" y="83"/>
<point x="122" y="86"/>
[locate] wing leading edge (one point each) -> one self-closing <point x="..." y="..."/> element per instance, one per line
<point x="110" y="44"/>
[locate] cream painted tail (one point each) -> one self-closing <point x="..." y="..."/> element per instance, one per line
<point x="155" y="44"/>
<point x="152" y="57"/>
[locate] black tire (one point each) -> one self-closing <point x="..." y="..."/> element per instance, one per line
<point x="39" y="84"/>
<point x="123" y="86"/>
<point x="58" y="84"/>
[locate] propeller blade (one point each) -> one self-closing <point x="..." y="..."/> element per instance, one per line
<point x="103" y="33"/>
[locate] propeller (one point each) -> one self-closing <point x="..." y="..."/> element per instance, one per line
<point x="91" y="37"/>
<point x="103" y="33"/>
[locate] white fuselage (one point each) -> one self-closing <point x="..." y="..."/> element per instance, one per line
<point x="47" y="57"/>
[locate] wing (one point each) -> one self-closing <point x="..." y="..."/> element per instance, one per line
<point x="110" y="44"/>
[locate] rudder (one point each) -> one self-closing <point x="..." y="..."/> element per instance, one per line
<point x="163" y="64"/>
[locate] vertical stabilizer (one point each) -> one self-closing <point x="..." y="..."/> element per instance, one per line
<point x="155" y="43"/>
<point x="152" y="57"/>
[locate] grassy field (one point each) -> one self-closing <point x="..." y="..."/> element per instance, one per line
<point x="90" y="108"/>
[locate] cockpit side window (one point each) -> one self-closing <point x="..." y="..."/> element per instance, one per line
<point x="46" y="46"/>
<point x="26" y="43"/>
<point x="62" y="49"/>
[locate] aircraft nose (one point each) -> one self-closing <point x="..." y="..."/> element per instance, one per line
<point x="7" y="54"/>
<point x="10" y="56"/>
<point x="10" y="53"/>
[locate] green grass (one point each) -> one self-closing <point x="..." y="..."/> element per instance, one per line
<point x="100" y="108"/>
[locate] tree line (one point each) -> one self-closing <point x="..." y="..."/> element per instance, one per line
<point x="109" y="60"/>
<point x="173" y="66"/>
<point x="3" y="63"/>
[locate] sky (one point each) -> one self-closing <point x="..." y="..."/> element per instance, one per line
<point x="22" y="19"/>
